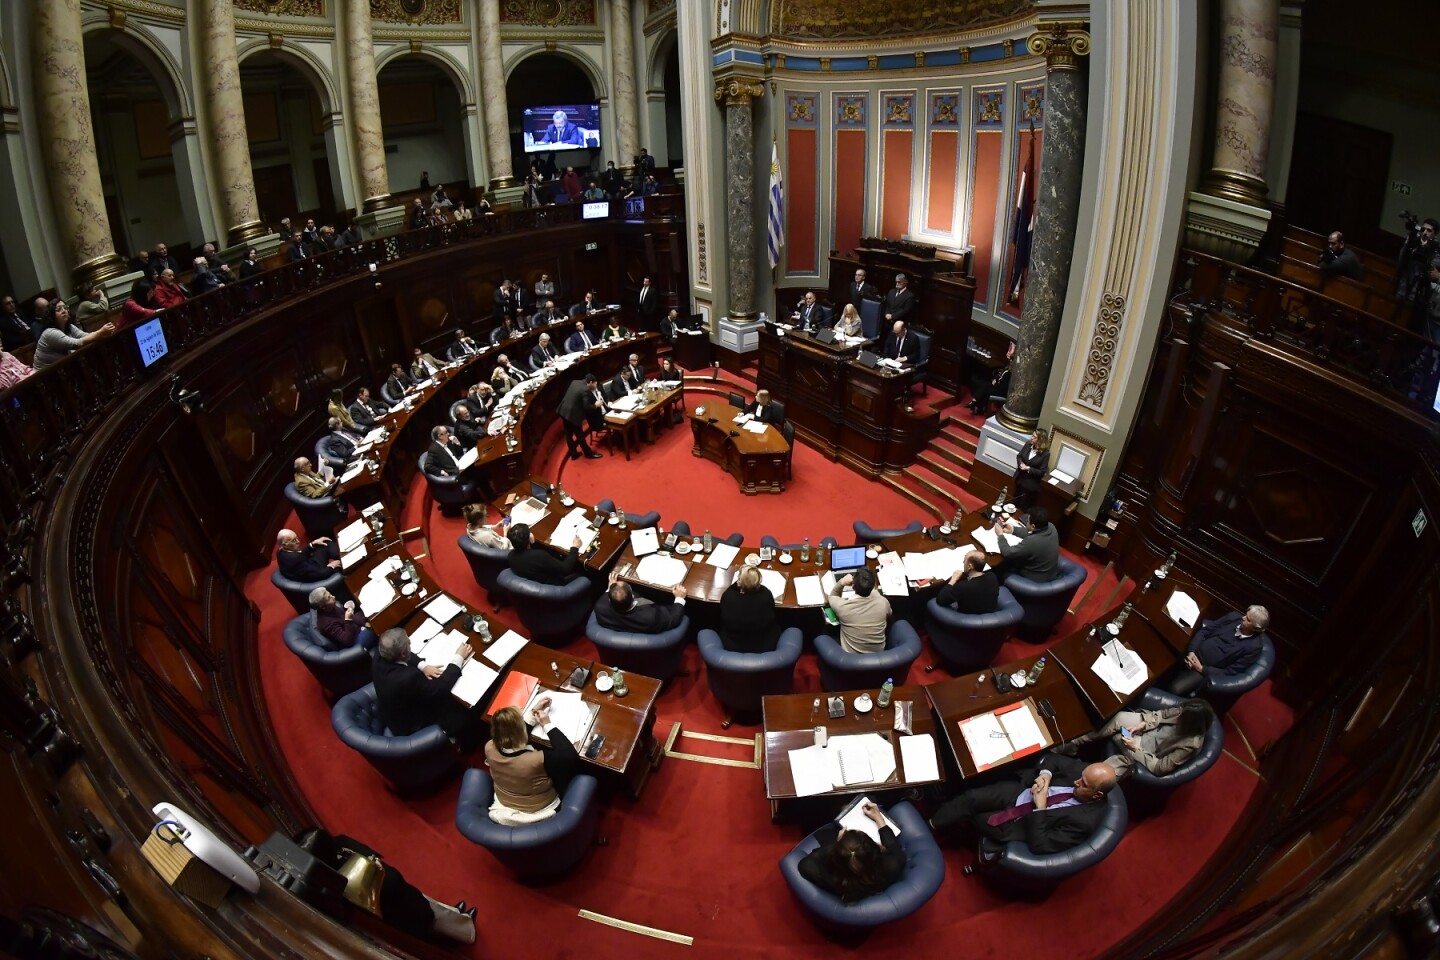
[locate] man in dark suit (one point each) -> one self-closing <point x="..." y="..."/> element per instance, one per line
<point x="623" y="385"/>
<point x="463" y="348"/>
<point x="162" y="259"/>
<point x="582" y="406"/>
<point x="441" y="455"/>
<point x="250" y="266"/>
<point x="14" y="330"/>
<point x="644" y="163"/>
<point x="411" y="697"/>
<point x="901" y="344"/>
<point x="1221" y="648"/>
<point x="762" y="409"/>
<point x="400" y="382"/>
<point x="530" y="560"/>
<point x="637" y="372"/>
<point x="424" y="365"/>
<point x="580" y="339"/>
<point x="507" y="301"/>
<point x="972" y="588"/>
<point x="860" y="290"/>
<point x="308" y="562"/>
<point x="543" y="353"/>
<point x="367" y="411"/>
<point x="1037" y="556"/>
<point x="480" y="401"/>
<point x="1050" y="808"/>
<point x="612" y="180"/>
<point x="547" y="315"/>
<point x="590" y="304"/>
<point x="337" y="444"/>
<point x="295" y="252"/>
<point x="619" y="609"/>
<point x="899" y="302"/>
<point x="563" y="131"/>
<point x="649" y="305"/>
<point x="342" y="625"/>
<point x="468" y="430"/>
<point x="808" y="312"/>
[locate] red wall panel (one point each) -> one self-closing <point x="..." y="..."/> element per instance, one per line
<point x="895" y="183"/>
<point x="849" y="188"/>
<point x="944" y="162"/>
<point x="800" y="213"/>
<point x="984" y="194"/>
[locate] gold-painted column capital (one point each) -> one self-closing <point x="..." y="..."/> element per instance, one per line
<point x="1062" y="44"/>
<point x="733" y="91"/>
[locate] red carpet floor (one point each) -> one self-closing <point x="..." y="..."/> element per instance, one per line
<point x="697" y="854"/>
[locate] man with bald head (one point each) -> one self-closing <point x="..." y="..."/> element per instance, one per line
<point x="305" y="562"/>
<point x="309" y="482"/>
<point x="1049" y="808"/>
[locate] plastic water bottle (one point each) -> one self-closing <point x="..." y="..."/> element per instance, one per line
<point x="709" y="542"/>
<point x="622" y="518"/>
<point x="1035" y="671"/>
<point x="886" y="689"/>
<point x="805" y="551"/>
<point x="820" y="555"/>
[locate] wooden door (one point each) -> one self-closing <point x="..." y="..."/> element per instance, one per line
<point x="1338" y="179"/>
<point x="275" y="193"/>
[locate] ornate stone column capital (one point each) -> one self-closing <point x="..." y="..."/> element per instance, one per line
<point x="1062" y="44"/>
<point x="738" y="91"/>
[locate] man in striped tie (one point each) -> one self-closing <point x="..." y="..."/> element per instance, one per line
<point x="1049" y="809"/>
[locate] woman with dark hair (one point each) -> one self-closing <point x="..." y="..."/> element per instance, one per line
<point x="402" y="905"/>
<point x="1030" y="468"/>
<point x="487" y="535"/>
<point x="138" y="308"/>
<point x="851" y="865"/>
<point x="1161" y="741"/>
<point x="528" y="781"/>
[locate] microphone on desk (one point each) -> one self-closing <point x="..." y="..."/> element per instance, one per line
<point x="734" y="433"/>
<point x="1047" y="710"/>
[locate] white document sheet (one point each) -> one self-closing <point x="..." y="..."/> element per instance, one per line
<point x="349" y="559"/>
<point x="755" y="426"/>
<point x="442" y="608"/>
<point x="371" y="510"/>
<point x="631" y="403"/>
<point x="352" y="471"/>
<point x="723" y="555"/>
<point x="892" y="581"/>
<point x="350" y="535"/>
<point x="572" y="524"/>
<point x="1056" y="476"/>
<point x="385" y="567"/>
<point x="503" y="650"/>
<point x="1011" y="539"/>
<point x="854" y="819"/>
<point x="374" y="435"/>
<point x="1023" y="727"/>
<point x="917" y="566"/>
<point x="810" y="769"/>
<point x="1182" y="608"/>
<point x="375" y="596"/>
<point x="569" y="711"/>
<point x="808" y="592"/>
<point x="988" y="540"/>
<point x="528" y="511"/>
<point x="775" y="582"/>
<point x="986" y="739"/>
<point x="849" y="762"/>
<point x="475" y="680"/>
<point x="362" y="448"/>
<point x="644" y="542"/>
<point x="662" y="571"/>
<point x="467" y="459"/>
<point x="917" y="755"/>
<point x="422" y="634"/>
<point x="1121" y="669"/>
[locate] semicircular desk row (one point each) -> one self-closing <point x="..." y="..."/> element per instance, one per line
<point x="1064" y="703"/>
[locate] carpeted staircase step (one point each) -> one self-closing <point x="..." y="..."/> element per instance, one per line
<point x="956" y="473"/>
<point x="944" y="489"/>
<point x="922" y="497"/>
<point x="953" y="449"/>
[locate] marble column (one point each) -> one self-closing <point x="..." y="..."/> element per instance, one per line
<point x="1057" y="207"/>
<point x="622" y="48"/>
<point x="497" y="109"/>
<point x="365" y="103"/>
<point x="67" y="143"/>
<point x="225" y="107"/>
<point x="737" y="94"/>
<point x="1244" y="99"/>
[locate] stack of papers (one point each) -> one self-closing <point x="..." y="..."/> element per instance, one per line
<point x="421" y="636"/>
<point x="385" y="567"/>
<point x="467" y="459"/>
<point x="1121" y="668"/>
<point x="892" y="364"/>
<point x="644" y="542"/>
<point x="808" y="592"/>
<point x="442" y="608"/>
<point x="503" y="650"/>
<point x="573" y="524"/>
<point x="854" y="819"/>
<point x="917" y="754"/>
<point x="755" y="426"/>
<point x="475" y="681"/>
<point x="375" y="596"/>
<point x="571" y="714"/>
<point x="349" y="559"/>
<point x="988" y="539"/>
<point x="1182" y="608"/>
<point x="1008" y="732"/>
<point x="529" y="511"/>
<point x="845" y="760"/>
<point x="662" y="571"/>
<point x="630" y="402"/>
<point x="374" y="435"/>
<point x="723" y="555"/>
<point x="892" y="581"/>
<point x="352" y="471"/>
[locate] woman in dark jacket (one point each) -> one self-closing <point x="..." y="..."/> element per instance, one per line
<point x="851" y="865"/>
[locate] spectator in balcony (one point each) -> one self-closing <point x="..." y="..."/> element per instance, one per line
<point x="482" y="206"/>
<point x="594" y="191"/>
<point x="311" y="233"/>
<point x="211" y="257"/>
<point x="419" y="216"/>
<point x="92" y="305"/>
<point x="141" y="262"/>
<point x="573" y="186"/>
<point x="425" y="180"/>
<point x="250" y="266"/>
<point x="39" y="307"/>
<point x="168" y="292"/>
<point x="612" y="180"/>
<point x="204" y="280"/>
<point x="296" y="251"/>
<point x="644" y="163"/>
<point x="348" y="237"/>
<point x="140" y="306"/>
<point x="162" y="260"/>
<point x="440" y="200"/>
<point x="14" y="329"/>
<point x="462" y="212"/>
<point x="61" y="337"/>
<point x="12" y="371"/>
<point x="1340" y="260"/>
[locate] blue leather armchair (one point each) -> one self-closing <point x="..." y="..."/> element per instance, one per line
<point x="680" y="528"/>
<point x="968" y="642"/>
<point x="299" y="593"/>
<point x="1014" y="867"/>
<point x="451" y="493"/>
<point x="924" y="873"/>
<point x="866" y="534"/>
<point x="1204" y="758"/>
<point x="1045" y="603"/>
<point x="552" y="616"/>
<point x="415" y="760"/>
<point x="535" y="851"/>
<point x="740" y="681"/>
<point x="650" y="654"/>
<point x="486" y="563"/>
<point x="318" y="515"/>
<point x="632" y="519"/>
<point x="1222" y="692"/>
<point x="322" y="457"/>
<point x="864" y="671"/>
<point x="390" y="398"/>
<point x="920" y="365"/>
<point x="340" y="671"/>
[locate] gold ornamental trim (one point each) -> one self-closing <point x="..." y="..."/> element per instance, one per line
<point x="243" y="233"/>
<point x="738" y="90"/>
<point x="1062" y="45"/>
<point x="97" y="270"/>
<point x="1009" y="418"/>
<point x="1232" y="185"/>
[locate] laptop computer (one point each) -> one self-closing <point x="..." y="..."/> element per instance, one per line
<point x="540" y="491"/>
<point x="845" y="559"/>
<point x="868" y="359"/>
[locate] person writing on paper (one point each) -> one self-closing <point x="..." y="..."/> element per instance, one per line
<point x="533" y="562"/>
<point x="900" y="345"/>
<point x="851" y="865"/>
<point x="862" y="610"/>
<point x="528" y="781"/>
<point x="305" y="563"/>
<point x="1050" y="808"/>
<point x="619" y="609"/>
<point x="410" y="697"/>
<point x="1030" y="468"/>
<point x="747" y="614"/>
<point x="341" y="626"/>
<point x="849" y="323"/>
<point x="762" y="409"/>
<point x="487" y="535"/>
<point x="1221" y="648"/>
<point x="972" y="588"/>
<point x="1037" y="556"/>
<point x="1161" y="741"/>
<point x="310" y="483"/>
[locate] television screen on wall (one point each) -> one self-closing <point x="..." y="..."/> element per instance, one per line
<point x="562" y="126"/>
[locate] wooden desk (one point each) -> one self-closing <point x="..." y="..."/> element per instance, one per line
<point x="608" y="545"/>
<point x="757" y="461"/>
<point x="1077" y="652"/>
<point x="1150" y="606"/>
<point x="694" y="351"/>
<point x="790" y="721"/>
<point x="648" y="417"/>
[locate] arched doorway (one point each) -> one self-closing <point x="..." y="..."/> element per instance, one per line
<point x="536" y="85"/>
<point x="662" y="104"/>
<point x="287" y="119"/>
<point x="152" y="183"/>
<point x="422" y="115"/>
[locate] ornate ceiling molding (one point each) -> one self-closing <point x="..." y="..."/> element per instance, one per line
<point x="284" y="8"/>
<point x="414" y="12"/>
<point x="871" y="20"/>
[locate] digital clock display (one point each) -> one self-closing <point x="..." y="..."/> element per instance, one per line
<point x="150" y="336"/>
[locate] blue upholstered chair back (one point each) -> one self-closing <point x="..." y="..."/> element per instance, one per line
<point x="339" y="671"/>
<point x="866" y="534"/>
<point x="534" y="851"/>
<point x="486" y="563"/>
<point x="1222" y="692"/>
<point x="420" y="758"/>
<point x="967" y="642"/>
<point x="840" y="670"/>
<point x="1015" y="867"/>
<point x="740" y="681"/>
<point x="870" y="319"/>
<point x="924" y="873"/>
<point x="552" y="616"/>
<point x="655" y="655"/>
<point x="299" y="593"/>
<point x="318" y="515"/>
<point x="631" y="519"/>
<point x="322" y="457"/>
<point x="1045" y="603"/>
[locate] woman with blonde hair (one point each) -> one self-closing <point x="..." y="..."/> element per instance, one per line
<point x="747" y="614"/>
<point x="528" y="781"/>
<point x="849" y="322"/>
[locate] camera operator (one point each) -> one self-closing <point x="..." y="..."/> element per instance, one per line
<point x="1418" y="254"/>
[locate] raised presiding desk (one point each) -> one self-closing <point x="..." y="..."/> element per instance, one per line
<point x="758" y="459"/>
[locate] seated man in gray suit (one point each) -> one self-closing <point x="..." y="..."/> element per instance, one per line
<point x="619" y="609"/>
<point x="1037" y="556"/>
